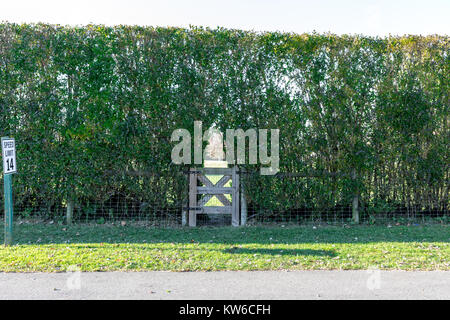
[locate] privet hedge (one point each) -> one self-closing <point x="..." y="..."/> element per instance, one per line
<point x="87" y="104"/>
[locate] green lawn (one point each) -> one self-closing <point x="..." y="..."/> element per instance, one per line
<point x="53" y="248"/>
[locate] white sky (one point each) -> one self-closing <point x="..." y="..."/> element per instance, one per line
<point x="369" y="17"/>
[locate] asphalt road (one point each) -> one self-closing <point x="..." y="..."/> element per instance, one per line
<point x="363" y="284"/>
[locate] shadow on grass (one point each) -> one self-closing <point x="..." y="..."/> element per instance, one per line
<point x="284" y="252"/>
<point x="232" y="250"/>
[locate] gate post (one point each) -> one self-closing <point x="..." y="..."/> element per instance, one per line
<point x="192" y="197"/>
<point x="185" y="203"/>
<point x="235" y="198"/>
<point x="243" y="201"/>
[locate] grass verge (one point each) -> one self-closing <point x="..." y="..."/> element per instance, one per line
<point x="57" y="248"/>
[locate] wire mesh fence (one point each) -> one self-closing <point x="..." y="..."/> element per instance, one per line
<point x="154" y="198"/>
<point x="158" y="199"/>
<point x="302" y="198"/>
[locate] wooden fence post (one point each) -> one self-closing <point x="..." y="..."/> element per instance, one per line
<point x="235" y="198"/>
<point x="192" y="198"/>
<point x="355" y="202"/>
<point x="185" y="203"/>
<point x="243" y="202"/>
<point x="69" y="211"/>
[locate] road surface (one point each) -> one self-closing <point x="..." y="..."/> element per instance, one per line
<point x="362" y="284"/>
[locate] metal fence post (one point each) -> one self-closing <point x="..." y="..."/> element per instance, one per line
<point x="7" y="178"/>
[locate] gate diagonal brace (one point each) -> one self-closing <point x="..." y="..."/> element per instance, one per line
<point x="203" y="179"/>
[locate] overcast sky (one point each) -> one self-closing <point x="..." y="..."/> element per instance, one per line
<point x="367" y="17"/>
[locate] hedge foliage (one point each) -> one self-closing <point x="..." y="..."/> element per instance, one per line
<point x="87" y="103"/>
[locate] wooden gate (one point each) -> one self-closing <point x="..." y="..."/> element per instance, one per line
<point x="202" y="189"/>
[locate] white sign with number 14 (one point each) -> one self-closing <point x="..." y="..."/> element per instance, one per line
<point x="9" y="155"/>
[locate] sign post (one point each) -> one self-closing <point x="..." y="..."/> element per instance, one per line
<point x="9" y="167"/>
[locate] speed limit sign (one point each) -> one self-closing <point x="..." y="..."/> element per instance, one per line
<point x="9" y="155"/>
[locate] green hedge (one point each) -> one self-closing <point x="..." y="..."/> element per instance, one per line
<point x="85" y="102"/>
